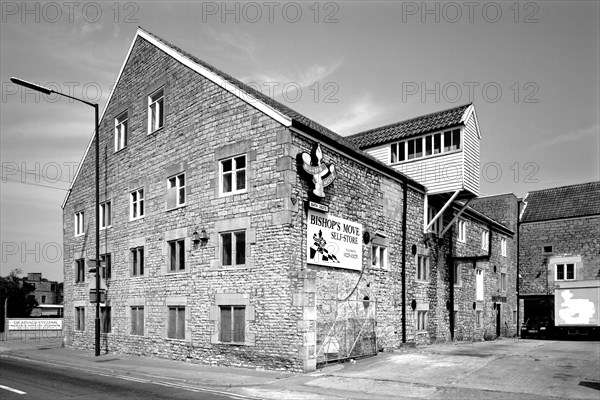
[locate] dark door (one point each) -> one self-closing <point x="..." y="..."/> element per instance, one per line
<point x="498" y="322"/>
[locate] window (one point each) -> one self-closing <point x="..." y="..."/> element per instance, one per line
<point x="457" y="274"/>
<point x="233" y="175"/>
<point x="548" y="249"/>
<point x="137" y="320"/>
<point x="43" y="299"/>
<point x="105" y="320"/>
<point x="176" y="191"/>
<point x="79" y="223"/>
<point x="233" y="248"/>
<point x="503" y="282"/>
<point x="156" y="102"/>
<point x="105" y="214"/>
<point x="479" y="284"/>
<point x="379" y="256"/>
<point x="136" y="204"/>
<point x="455" y="317"/>
<point x="106" y="265"/>
<point x="80" y="318"/>
<point x="452" y="140"/>
<point x="485" y="240"/>
<point x="176" y="255"/>
<point x="437" y="225"/>
<point x="503" y="247"/>
<point x="176" y="323"/>
<point x="428" y="145"/>
<point x="80" y="270"/>
<point x="514" y="319"/>
<point x="121" y="131"/>
<point x="437" y="143"/>
<point x="565" y="272"/>
<point x="233" y="324"/>
<point x="398" y="152"/>
<point x="478" y="318"/>
<point x="422" y="320"/>
<point x="422" y="268"/>
<point x="137" y="261"/>
<point x="462" y="230"/>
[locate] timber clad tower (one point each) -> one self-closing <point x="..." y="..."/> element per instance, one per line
<point x="235" y="231"/>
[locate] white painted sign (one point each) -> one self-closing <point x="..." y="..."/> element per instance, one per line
<point x="42" y="324"/>
<point x="333" y="242"/>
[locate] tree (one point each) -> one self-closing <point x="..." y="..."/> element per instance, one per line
<point x="18" y="293"/>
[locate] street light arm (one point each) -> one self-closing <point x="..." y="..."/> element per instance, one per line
<point x="46" y="90"/>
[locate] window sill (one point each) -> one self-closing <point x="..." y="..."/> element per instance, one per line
<point x="175" y="340"/>
<point x="136" y="219"/>
<point x="136" y="276"/>
<point x="428" y="157"/>
<point x="181" y="271"/>
<point x="156" y="130"/>
<point x="105" y="228"/>
<point x="120" y="150"/>
<point x="238" y="344"/>
<point x="176" y="207"/>
<point x="229" y="194"/>
<point x="229" y="268"/>
<point x="421" y="281"/>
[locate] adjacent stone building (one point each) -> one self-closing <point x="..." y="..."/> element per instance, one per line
<point x="236" y="231"/>
<point x="559" y="237"/>
<point x="45" y="291"/>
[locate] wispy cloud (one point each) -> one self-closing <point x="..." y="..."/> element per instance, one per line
<point x="357" y="116"/>
<point x="303" y="78"/>
<point x="572" y="136"/>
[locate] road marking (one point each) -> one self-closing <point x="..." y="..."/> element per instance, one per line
<point x="12" y="390"/>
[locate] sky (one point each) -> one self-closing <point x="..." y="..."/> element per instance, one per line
<point x="531" y="68"/>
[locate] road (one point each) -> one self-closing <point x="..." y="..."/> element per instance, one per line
<point x="24" y="379"/>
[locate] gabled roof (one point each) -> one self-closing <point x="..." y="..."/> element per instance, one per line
<point x="279" y="112"/>
<point x="412" y="127"/>
<point x="562" y="202"/>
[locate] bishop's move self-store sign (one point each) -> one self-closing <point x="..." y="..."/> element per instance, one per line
<point x="333" y="242"/>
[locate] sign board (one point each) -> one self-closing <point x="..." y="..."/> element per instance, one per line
<point x="93" y="296"/>
<point x="42" y="324"/>
<point x="333" y="242"/>
<point x="577" y="306"/>
<point x="318" y="206"/>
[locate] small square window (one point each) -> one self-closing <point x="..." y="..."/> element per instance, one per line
<point x="233" y="324"/>
<point x="422" y="268"/>
<point x="176" y="191"/>
<point x="137" y="320"/>
<point x="565" y="272"/>
<point x="176" y="323"/>
<point x="156" y="103"/>
<point x="43" y="299"/>
<point x="79" y="223"/>
<point x="137" y="261"/>
<point x="136" y="204"/>
<point x="121" y="131"/>
<point x="233" y="249"/>
<point x="106" y="214"/>
<point x="176" y="255"/>
<point x="233" y="175"/>
<point x="80" y="270"/>
<point x="379" y="257"/>
<point x="548" y="249"/>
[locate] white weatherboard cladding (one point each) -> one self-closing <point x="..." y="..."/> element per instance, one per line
<point x="333" y="242"/>
<point x="471" y="154"/>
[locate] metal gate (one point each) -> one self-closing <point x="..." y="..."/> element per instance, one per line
<point x="345" y="329"/>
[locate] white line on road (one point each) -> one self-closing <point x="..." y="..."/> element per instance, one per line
<point x="12" y="390"/>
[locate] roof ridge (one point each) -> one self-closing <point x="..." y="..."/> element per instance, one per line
<point x="564" y="187"/>
<point x="411" y="119"/>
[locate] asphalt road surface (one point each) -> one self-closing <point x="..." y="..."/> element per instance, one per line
<point x="24" y="379"/>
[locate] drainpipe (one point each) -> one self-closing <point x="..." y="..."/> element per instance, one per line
<point x="518" y="333"/>
<point x="451" y="283"/>
<point x="404" y="213"/>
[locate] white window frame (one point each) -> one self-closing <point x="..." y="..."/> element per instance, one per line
<point x="139" y="310"/>
<point x="422" y="320"/>
<point x="178" y="313"/>
<point x="156" y="106"/>
<point x="138" y="204"/>
<point x="437" y="226"/>
<point x="176" y="264"/>
<point x="485" y="240"/>
<point x="137" y="269"/>
<point x="234" y="247"/>
<point x="234" y="175"/>
<point x="177" y="184"/>
<point x="462" y="230"/>
<point x="564" y="267"/>
<point x="503" y="247"/>
<point x="379" y="256"/>
<point x="399" y="151"/>
<point x="221" y="324"/>
<point x="79" y="219"/>
<point x="479" y="284"/>
<point x="121" y="131"/>
<point x="106" y="214"/>
<point x="423" y="263"/>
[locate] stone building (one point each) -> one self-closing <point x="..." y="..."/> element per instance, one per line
<point x="46" y="292"/>
<point x="559" y="243"/>
<point x="236" y="231"/>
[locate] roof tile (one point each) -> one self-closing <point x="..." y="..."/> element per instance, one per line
<point x="563" y="202"/>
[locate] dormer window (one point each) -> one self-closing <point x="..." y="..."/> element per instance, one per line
<point x="425" y="146"/>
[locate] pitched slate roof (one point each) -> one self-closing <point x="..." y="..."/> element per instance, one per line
<point x="562" y="202"/>
<point x="410" y="127"/>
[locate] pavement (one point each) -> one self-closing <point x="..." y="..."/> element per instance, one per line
<point x="501" y="369"/>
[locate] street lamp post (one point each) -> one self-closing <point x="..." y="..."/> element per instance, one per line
<point x="48" y="91"/>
